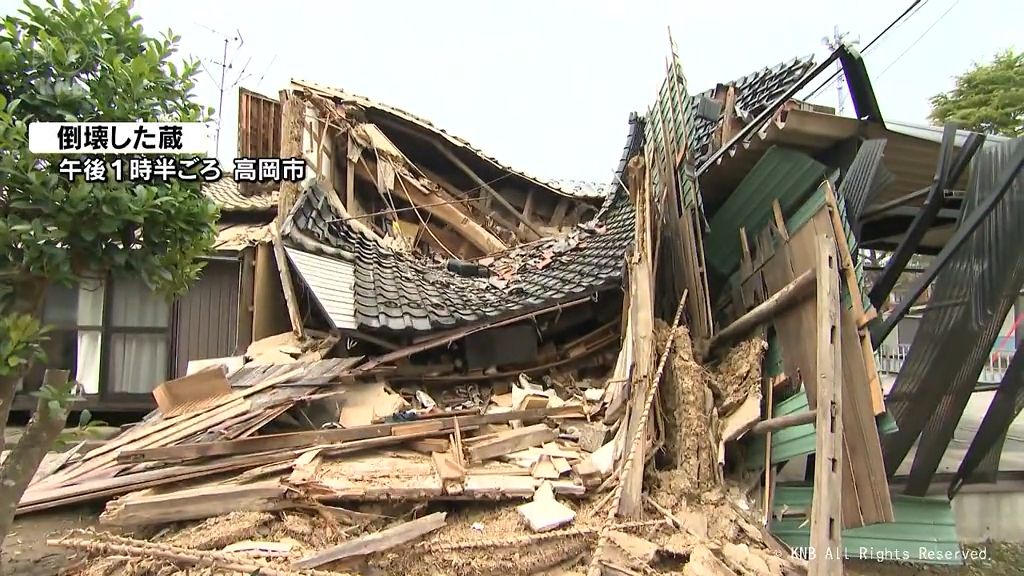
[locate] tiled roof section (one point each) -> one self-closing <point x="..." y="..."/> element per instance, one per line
<point x="582" y="188"/>
<point x="565" y="188"/>
<point x="754" y="92"/>
<point x="399" y="292"/>
<point x="228" y="197"/>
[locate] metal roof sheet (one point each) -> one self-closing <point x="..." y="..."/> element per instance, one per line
<point x="924" y="530"/>
<point x="934" y="133"/>
<point x="785" y="174"/>
<point x="332" y="282"/>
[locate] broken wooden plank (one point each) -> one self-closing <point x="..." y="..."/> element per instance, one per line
<point x="511" y="441"/>
<point x="430" y="445"/>
<point x="287" y="287"/>
<point x="194" y="504"/>
<point x="191" y="392"/>
<point x="447" y="467"/>
<point x="741" y="419"/>
<point x="544" y="468"/>
<point x="312" y="438"/>
<point x="826" y="507"/>
<point x="305" y="467"/>
<point x="376" y="542"/>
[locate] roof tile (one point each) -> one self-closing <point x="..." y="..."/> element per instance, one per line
<point x="228" y="197"/>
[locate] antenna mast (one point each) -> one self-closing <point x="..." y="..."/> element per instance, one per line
<point x="833" y="43"/>
<point x="226" y="63"/>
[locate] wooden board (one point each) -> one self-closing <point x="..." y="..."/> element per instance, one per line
<point x="376" y="542"/>
<point x="511" y="441"/>
<point x="863" y="472"/>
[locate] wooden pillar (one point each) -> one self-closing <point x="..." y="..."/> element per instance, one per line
<point x="826" y="507"/>
<point x="292" y="113"/>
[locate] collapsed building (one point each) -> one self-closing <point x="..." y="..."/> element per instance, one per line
<point x="619" y="376"/>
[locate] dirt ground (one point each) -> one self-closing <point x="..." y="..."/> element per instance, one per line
<point x="26" y="554"/>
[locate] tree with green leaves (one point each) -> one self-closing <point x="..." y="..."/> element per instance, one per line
<point x="84" y="61"/>
<point x="988" y="98"/>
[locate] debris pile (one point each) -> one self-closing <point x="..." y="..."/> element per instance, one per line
<point x="488" y="373"/>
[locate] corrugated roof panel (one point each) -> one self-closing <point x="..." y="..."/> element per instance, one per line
<point x="332" y="282"/>
<point x="784" y="174"/>
<point x="924" y="530"/>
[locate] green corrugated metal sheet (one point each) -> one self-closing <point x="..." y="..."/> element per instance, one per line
<point x="787" y="443"/>
<point x="781" y="173"/>
<point x="671" y="115"/>
<point x="799" y="440"/>
<point x="924" y="530"/>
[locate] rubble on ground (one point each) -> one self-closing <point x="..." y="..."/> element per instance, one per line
<point x="524" y="391"/>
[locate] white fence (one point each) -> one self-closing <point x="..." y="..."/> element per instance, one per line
<point x="889" y="359"/>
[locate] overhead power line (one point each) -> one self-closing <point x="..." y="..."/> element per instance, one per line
<point x="918" y="39"/>
<point x="891" y="25"/>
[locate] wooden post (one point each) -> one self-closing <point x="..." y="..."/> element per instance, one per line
<point x="293" y="111"/>
<point x="290" y="298"/>
<point x="826" y="508"/>
<point x="789" y="294"/>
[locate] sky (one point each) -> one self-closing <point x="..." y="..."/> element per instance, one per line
<point x="546" y="86"/>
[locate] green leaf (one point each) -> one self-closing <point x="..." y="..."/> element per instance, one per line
<point x="84" y="417"/>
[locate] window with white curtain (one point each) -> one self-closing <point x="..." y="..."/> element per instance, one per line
<point x="115" y="332"/>
<point x="138" y="328"/>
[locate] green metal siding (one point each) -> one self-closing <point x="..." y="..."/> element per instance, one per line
<point x="797" y="441"/>
<point x="784" y="174"/>
<point x="924" y="530"/>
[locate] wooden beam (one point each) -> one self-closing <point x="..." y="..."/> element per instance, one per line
<point x="826" y="506"/>
<point x="287" y="287"/>
<point x="789" y="295"/>
<point x="416" y="195"/>
<point x="644" y="380"/>
<point x="788" y="421"/>
<point x="351" y="200"/>
<point x="479" y="205"/>
<point x="487" y="188"/>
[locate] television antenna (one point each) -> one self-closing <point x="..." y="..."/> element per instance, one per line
<point x="225" y="64"/>
<point x="838" y="38"/>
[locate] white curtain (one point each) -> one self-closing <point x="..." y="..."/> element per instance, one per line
<point x="90" y="342"/>
<point x="138" y="362"/>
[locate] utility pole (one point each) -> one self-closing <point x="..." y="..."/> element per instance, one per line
<point x="833" y="43"/>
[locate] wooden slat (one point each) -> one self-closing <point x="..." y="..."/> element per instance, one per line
<point x="857" y="301"/>
<point x="863" y="473"/>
